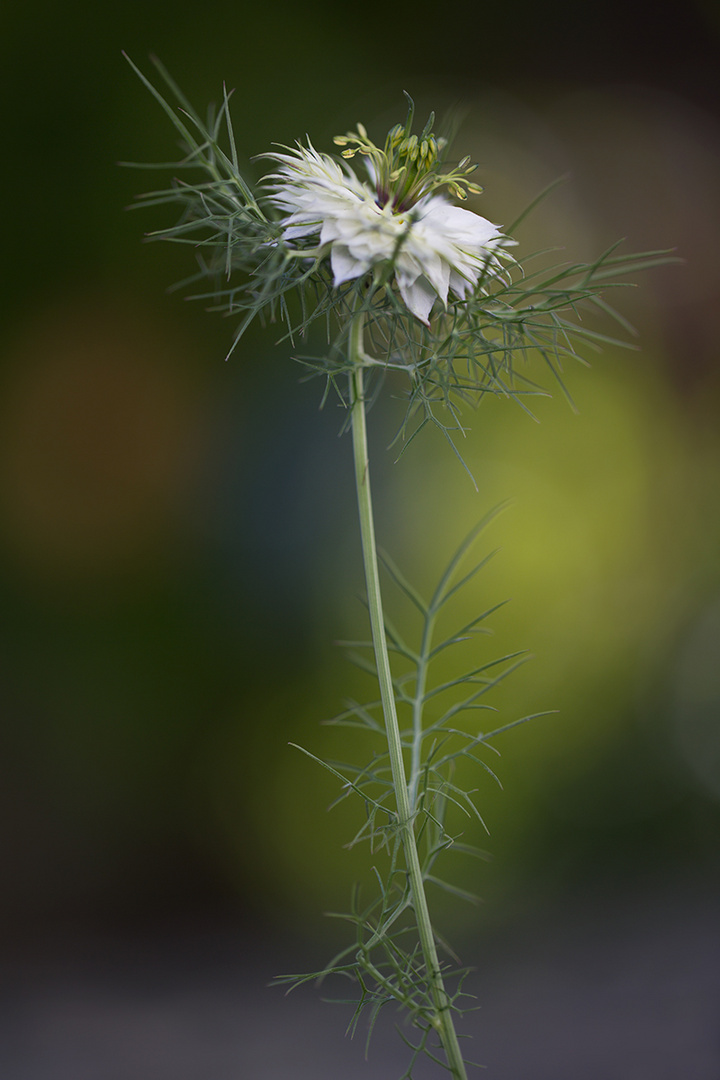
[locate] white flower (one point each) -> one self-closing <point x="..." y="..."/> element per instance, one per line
<point x="434" y="246"/>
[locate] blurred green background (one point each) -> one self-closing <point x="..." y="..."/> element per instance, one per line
<point x="177" y="534"/>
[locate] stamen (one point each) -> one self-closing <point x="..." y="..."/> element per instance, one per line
<point x="409" y="167"/>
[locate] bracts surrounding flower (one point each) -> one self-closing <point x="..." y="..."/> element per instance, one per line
<point x="317" y="241"/>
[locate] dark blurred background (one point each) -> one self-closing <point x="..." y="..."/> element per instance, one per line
<point x="178" y="554"/>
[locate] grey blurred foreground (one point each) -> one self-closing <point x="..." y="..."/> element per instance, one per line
<point x="626" y="989"/>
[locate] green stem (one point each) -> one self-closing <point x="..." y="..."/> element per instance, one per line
<point x="442" y="1020"/>
<point x="417" y="716"/>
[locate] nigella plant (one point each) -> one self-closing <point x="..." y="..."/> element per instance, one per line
<point x="405" y="285"/>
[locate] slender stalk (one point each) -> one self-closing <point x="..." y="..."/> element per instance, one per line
<point x="442" y="1019"/>
<point x="417" y="717"/>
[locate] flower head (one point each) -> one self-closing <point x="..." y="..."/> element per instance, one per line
<point x="394" y="218"/>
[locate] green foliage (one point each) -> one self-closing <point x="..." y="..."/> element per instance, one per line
<point x="439" y="728"/>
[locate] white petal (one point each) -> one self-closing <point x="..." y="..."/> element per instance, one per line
<point x="345" y="266"/>
<point x="436" y="270"/>
<point x="460" y="285"/>
<point x="461" y="227"/>
<point x="295" y="232"/>
<point x="418" y="298"/>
